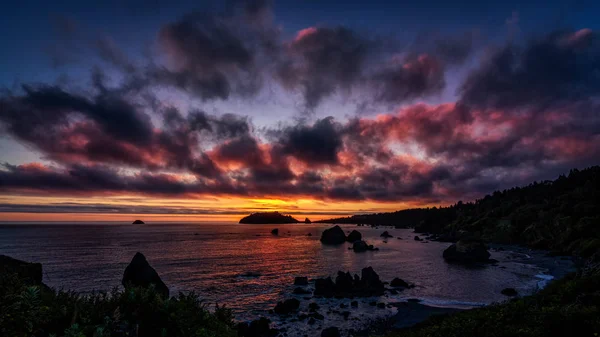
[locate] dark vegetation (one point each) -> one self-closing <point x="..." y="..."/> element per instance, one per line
<point x="568" y="307"/>
<point x="561" y="215"/>
<point x="34" y="310"/>
<point x="268" y="218"/>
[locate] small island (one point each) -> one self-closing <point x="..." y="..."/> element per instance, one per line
<point x="138" y="222"/>
<point x="268" y="218"/>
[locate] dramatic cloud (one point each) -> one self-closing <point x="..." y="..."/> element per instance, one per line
<point x="524" y="111"/>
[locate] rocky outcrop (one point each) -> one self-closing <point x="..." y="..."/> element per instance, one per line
<point x="417" y="238"/>
<point x="386" y="235"/>
<point x="287" y="307"/>
<point x="301" y="281"/>
<point x="362" y="246"/>
<point x="275" y="231"/>
<point x="139" y="273"/>
<point x="333" y="236"/>
<point x="137" y="222"/>
<point x="268" y="218"/>
<point x="509" y="292"/>
<point x="307" y="220"/>
<point x="29" y="273"/>
<point x="467" y="252"/>
<point x="354" y="236"/>
<point x="331" y="332"/>
<point x="345" y="285"/>
<point x="258" y="328"/>
<point x="399" y="283"/>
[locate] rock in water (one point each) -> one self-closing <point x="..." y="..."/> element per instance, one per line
<point x="137" y="222"/>
<point x="333" y="236"/>
<point x="398" y="282"/>
<point x="347" y="286"/>
<point x="417" y="238"/>
<point x="467" y="252"/>
<point x="30" y="273"/>
<point x="360" y="246"/>
<point x="275" y="231"/>
<point x="139" y="273"/>
<point x="331" y="332"/>
<point x="287" y="306"/>
<point x="307" y="220"/>
<point x="257" y="328"/>
<point x="386" y="235"/>
<point x="301" y="281"/>
<point x="354" y="236"/>
<point x="509" y="292"/>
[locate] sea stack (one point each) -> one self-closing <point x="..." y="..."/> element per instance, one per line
<point x="139" y="273"/>
<point x="137" y="222"/>
<point x="333" y="236"/>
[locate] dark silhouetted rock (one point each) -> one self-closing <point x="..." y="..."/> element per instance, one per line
<point x="509" y="292"/>
<point x="275" y="231"/>
<point x="333" y="236"/>
<point x="346" y="286"/>
<point x="397" y="282"/>
<point x="139" y="273"/>
<point x="301" y="291"/>
<point x="301" y="281"/>
<point x="257" y="328"/>
<point x="354" y="236"/>
<point x="287" y="306"/>
<point x="417" y="238"/>
<point x="313" y="306"/>
<point x="311" y="321"/>
<point x="360" y="246"/>
<point x="330" y="332"/>
<point x="386" y="235"/>
<point x="29" y="273"/>
<point x="307" y="220"/>
<point x="467" y="252"/>
<point x="354" y="304"/>
<point x="137" y="222"/>
<point x="381" y="305"/>
<point x="268" y="218"/>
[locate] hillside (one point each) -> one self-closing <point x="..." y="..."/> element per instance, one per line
<point x="560" y="215"/>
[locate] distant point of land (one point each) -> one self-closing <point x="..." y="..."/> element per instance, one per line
<point x="268" y="218"/>
<point x="137" y="222"/>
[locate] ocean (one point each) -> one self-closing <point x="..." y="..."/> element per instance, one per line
<point x="249" y="270"/>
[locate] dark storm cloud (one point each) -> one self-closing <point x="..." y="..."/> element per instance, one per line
<point x="316" y="144"/>
<point x="323" y="60"/>
<point x="561" y="67"/>
<point x="407" y="80"/>
<point x="39" y="108"/>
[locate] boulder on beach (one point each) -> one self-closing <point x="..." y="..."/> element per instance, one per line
<point x="275" y="231"/>
<point x="286" y="307"/>
<point x="300" y="291"/>
<point x="509" y="292"/>
<point x="386" y="234"/>
<point x="29" y="273"/>
<point x="354" y="236"/>
<point x="300" y="281"/>
<point x="467" y="252"/>
<point x="331" y="332"/>
<point x="137" y="222"/>
<point x="333" y="236"/>
<point x="139" y="273"/>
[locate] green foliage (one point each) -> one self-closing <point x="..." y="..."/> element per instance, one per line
<point x="569" y="307"/>
<point x="36" y="310"/>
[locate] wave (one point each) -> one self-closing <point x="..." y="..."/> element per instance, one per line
<point x="455" y="304"/>
<point x="544" y="280"/>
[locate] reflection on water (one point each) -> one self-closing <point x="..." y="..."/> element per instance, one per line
<point x="247" y="268"/>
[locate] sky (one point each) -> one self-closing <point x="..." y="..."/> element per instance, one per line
<point x="195" y="110"/>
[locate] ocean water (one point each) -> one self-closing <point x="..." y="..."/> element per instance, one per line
<point x="216" y="259"/>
